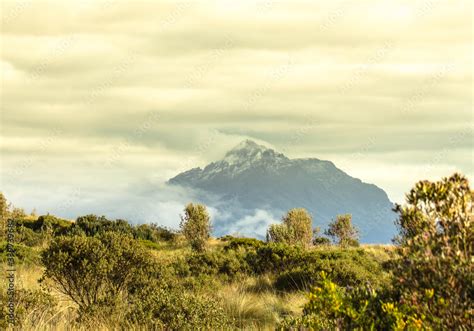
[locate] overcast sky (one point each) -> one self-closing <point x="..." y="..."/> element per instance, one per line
<point x="104" y="100"/>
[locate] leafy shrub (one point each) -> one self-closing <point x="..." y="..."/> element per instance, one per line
<point x="346" y="268"/>
<point x="28" y="237"/>
<point x="342" y="230"/>
<point x="92" y="225"/>
<point x="243" y="243"/>
<point x="94" y="271"/>
<point x="153" y="233"/>
<point x="35" y="232"/>
<point x="228" y="263"/>
<point x="22" y="254"/>
<point x="331" y="307"/>
<point x="275" y="258"/>
<point x="436" y="248"/>
<point x="32" y="305"/>
<point x="150" y="244"/>
<point x="196" y="226"/>
<point x="296" y="228"/>
<point x="321" y="241"/>
<point x="54" y="225"/>
<point x="170" y="308"/>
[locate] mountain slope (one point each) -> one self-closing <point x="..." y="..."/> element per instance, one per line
<point x="256" y="183"/>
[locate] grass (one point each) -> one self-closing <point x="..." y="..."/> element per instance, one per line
<point x="254" y="306"/>
<point x="251" y="301"/>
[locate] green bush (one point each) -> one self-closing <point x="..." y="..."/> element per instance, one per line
<point x="196" y="226"/>
<point x="436" y="252"/>
<point x="342" y="231"/>
<point x="92" y="225"/>
<point x="153" y="233"/>
<point x="243" y="243"/>
<point x="321" y="241"/>
<point x="94" y="272"/>
<point x="162" y="307"/>
<point x="332" y="307"/>
<point x="229" y="263"/>
<point x="346" y="268"/>
<point x="36" y="232"/>
<point x="22" y="254"/>
<point x="296" y="228"/>
<point x="275" y="258"/>
<point x="32" y="305"/>
<point x="28" y="237"/>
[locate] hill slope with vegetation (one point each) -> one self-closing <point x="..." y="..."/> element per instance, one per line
<point x="101" y="274"/>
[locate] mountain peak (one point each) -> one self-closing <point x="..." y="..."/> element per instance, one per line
<point x="247" y="146"/>
<point x="252" y="178"/>
<point x="249" y="150"/>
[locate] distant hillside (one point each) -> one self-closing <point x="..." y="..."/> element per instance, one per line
<point x="254" y="183"/>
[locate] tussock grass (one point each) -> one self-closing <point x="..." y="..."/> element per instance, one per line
<point x="253" y="305"/>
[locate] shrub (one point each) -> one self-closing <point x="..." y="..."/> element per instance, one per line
<point x="93" y="224"/>
<point x="279" y="233"/>
<point x="342" y="230"/>
<point x="29" y="307"/>
<point x="331" y="307"/>
<point x="228" y="263"/>
<point x="346" y="268"/>
<point x="196" y="226"/>
<point x="318" y="240"/>
<point x="4" y="214"/>
<point x="153" y="233"/>
<point x="173" y="309"/>
<point x="94" y="272"/>
<point x="296" y="228"/>
<point x="432" y="284"/>
<point x="436" y="248"/>
<point x="28" y="237"/>
<point x="22" y="254"/>
<point x="275" y="257"/>
<point x="321" y="241"/>
<point x="243" y="243"/>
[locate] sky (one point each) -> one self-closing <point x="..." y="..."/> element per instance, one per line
<point x="103" y="101"/>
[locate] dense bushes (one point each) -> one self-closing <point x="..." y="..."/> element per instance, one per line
<point x="22" y="254"/>
<point x="112" y="277"/>
<point x="297" y="269"/>
<point x="37" y="232"/>
<point x="30" y="306"/>
<point x="294" y="268"/>
<point x="332" y="307"/>
<point x="242" y="243"/>
<point x="172" y="308"/>
<point x="109" y="270"/>
<point x="94" y="272"/>
<point x="432" y="283"/>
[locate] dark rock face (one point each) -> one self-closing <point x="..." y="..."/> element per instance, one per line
<point x="254" y="185"/>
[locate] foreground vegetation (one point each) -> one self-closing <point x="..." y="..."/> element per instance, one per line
<point x="102" y="274"/>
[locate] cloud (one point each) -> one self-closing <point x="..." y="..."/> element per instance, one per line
<point x="147" y="90"/>
<point x="253" y="225"/>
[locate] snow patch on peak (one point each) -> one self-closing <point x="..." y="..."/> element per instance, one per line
<point x="247" y="146"/>
<point x="249" y="151"/>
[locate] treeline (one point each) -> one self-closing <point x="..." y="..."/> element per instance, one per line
<point x="37" y="231"/>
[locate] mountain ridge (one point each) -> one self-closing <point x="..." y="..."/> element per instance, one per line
<point x="253" y="177"/>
